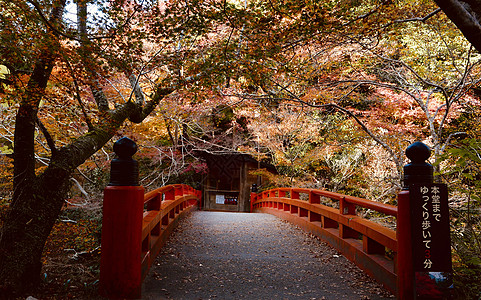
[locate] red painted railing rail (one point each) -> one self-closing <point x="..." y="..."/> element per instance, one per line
<point x="134" y="228"/>
<point x="372" y="246"/>
<point x="163" y="207"/>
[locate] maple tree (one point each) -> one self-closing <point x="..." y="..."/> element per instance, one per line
<point x="71" y="86"/>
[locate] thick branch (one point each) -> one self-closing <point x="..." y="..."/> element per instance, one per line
<point x="49" y="22"/>
<point x="136" y="89"/>
<point x="95" y="86"/>
<point x="58" y="31"/>
<point x="464" y="19"/>
<point x="97" y="92"/>
<point x="139" y="113"/>
<point x="74" y="154"/>
<point x="24" y="159"/>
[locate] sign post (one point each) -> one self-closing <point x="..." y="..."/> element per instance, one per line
<point x="424" y="243"/>
<point x="431" y="240"/>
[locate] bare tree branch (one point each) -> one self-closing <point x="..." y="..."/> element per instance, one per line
<point x="48" y="137"/>
<point x="423" y="19"/>
<point x="77" y="95"/>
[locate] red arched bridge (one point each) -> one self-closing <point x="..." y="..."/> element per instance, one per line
<point x="132" y="237"/>
<point x="136" y="225"/>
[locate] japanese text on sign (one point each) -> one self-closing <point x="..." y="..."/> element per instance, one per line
<point x="430" y="227"/>
<point x="430" y="207"/>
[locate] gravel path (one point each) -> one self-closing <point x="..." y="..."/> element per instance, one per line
<point x="216" y="255"/>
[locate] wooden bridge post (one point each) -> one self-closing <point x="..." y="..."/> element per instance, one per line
<point x="417" y="172"/>
<point x="120" y="261"/>
<point x="405" y="273"/>
<point x="253" y="196"/>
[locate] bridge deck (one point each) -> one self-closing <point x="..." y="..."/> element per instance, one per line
<point x="214" y="255"/>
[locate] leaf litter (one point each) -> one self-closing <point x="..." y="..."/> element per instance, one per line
<point x="252" y="256"/>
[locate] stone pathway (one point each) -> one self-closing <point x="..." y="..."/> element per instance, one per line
<point x="216" y="255"/>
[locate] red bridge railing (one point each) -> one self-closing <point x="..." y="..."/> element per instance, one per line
<point x="135" y="225"/>
<point x="134" y="229"/>
<point x="373" y="247"/>
<point x="163" y="209"/>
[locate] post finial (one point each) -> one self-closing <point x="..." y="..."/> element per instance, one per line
<point x="418" y="171"/>
<point x="125" y="148"/>
<point x="418" y="152"/>
<point x="124" y="171"/>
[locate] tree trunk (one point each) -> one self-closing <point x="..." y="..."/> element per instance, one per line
<point x="29" y="221"/>
<point x="37" y="200"/>
<point x="35" y="207"/>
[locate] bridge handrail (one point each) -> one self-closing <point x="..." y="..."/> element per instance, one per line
<point x="365" y="203"/>
<point x="168" y="192"/>
<point x="162" y="208"/>
<point x="135" y="227"/>
<point x="363" y="241"/>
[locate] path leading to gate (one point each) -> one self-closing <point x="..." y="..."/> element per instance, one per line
<point x="216" y="255"/>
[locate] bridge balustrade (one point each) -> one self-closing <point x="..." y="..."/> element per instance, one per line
<point x="163" y="208"/>
<point x="135" y="227"/>
<point x="373" y="247"/>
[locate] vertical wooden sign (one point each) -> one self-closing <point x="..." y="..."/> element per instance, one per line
<point x="431" y="241"/>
